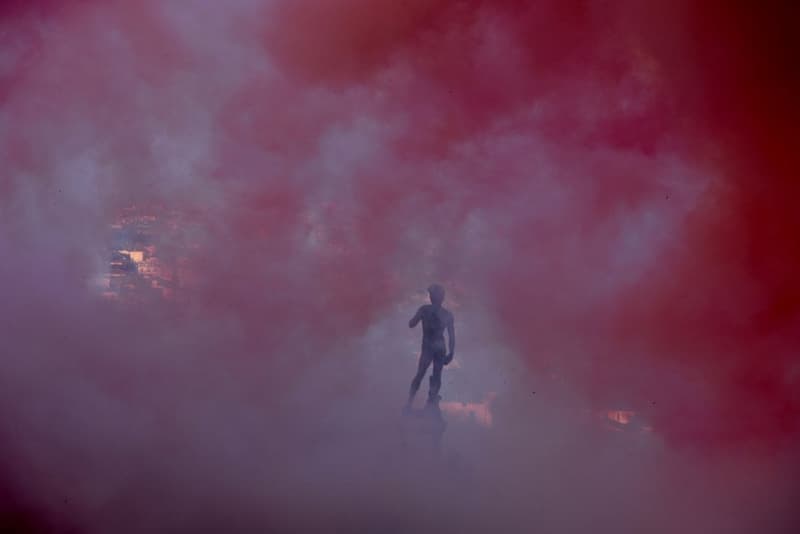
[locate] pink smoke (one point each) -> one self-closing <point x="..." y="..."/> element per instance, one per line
<point x="606" y="188"/>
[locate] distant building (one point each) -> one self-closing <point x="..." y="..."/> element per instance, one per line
<point x="136" y="270"/>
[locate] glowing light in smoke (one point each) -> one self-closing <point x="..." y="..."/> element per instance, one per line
<point x="480" y="412"/>
<point x="622" y="417"/>
<point x="137" y="256"/>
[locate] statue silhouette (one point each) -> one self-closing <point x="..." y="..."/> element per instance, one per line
<point x="435" y="320"/>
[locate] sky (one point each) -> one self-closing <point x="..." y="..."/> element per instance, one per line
<point x="606" y="189"/>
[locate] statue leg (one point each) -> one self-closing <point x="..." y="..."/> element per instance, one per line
<point x="436" y="379"/>
<point x="422" y="368"/>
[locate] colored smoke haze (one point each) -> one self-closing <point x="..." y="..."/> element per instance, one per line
<point x="612" y="186"/>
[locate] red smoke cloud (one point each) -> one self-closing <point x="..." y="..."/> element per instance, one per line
<point x="612" y="182"/>
<point x="710" y="84"/>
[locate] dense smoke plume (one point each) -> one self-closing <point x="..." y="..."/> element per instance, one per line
<point x="607" y="190"/>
